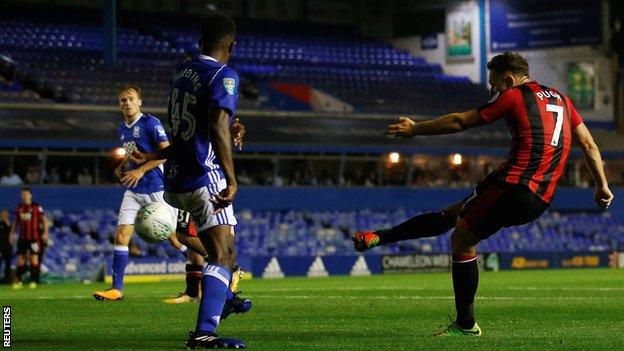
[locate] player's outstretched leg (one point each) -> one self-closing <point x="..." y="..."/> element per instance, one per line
<point x="219" y="242"/>
<point x="363" y="241"/>
<point x="465" y="282"/>
<point x="422" y="226"/>
<point x="120" y="261"/>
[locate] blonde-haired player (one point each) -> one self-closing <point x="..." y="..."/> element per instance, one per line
<point x="142" y="132"/>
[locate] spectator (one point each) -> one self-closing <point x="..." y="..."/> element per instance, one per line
<point x="53" y="177"/>
<point x="243" y="178"/>
<point x="68" y="177"/>
<point x="33" y="175"/>
<point x="6" y="246"/>
<point x="278" y="181"/>
<point x="10" y="178"/>
<point x="85" y="178"/>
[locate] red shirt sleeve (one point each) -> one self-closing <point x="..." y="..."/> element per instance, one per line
<point x="499" y="106"/>
<point x="575" y="118"/>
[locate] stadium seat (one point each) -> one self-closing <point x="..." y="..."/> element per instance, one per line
<point x="372" y="76"/>
<point x="81" y="242"/>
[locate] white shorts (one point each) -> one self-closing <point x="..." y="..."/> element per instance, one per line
<point x="197" y="202"/>
<point x="132" y="203"/>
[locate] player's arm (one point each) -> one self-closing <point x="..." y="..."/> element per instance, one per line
<point x="119" y="170"/>
<point x="139" y="157"/>
<point x="219" y="131"/>
<point x="450" y="123"/>
<point x="237" y="130"/>
<point x="131" y="178"/>
<point x="603" y="195"/>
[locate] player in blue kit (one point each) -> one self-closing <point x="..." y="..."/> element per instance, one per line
<point x="200" y="170"/>
<point x="144" y="182"/>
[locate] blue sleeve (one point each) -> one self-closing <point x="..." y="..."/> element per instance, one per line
<point x="223" y="91"/>
<point x="157" y="132"/>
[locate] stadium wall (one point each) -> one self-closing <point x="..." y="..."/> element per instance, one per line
<point x="465" y="66"/>
<point x="77" y="198"/>
<point x="549" y="65"/>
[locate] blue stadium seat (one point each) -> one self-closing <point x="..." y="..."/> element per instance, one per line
<point x="372" y="76"/>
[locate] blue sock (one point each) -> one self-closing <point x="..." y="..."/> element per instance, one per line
<point x="229" y="294"/>
<point x="120" y="261"/>
<point x="215" y="284"/>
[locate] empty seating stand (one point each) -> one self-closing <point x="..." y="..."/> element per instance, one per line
<point x="372" y="76"/>
<point x="80" y="242"/>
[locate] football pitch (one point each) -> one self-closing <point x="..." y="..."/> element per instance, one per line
<point x="522" y="310"/>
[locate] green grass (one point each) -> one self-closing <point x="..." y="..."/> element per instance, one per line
<point x="523" y="310"/>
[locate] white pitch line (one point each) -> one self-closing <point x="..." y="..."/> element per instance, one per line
<point x="364" y="298"/>
<point x="420" y="288"/>
<point x="77" y="297"/>
<point x="581" y="288"/>
<point x="351" y="288"/>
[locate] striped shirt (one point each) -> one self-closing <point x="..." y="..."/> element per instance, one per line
<point x="541" y="121"/>
<point x="29" y="221"/>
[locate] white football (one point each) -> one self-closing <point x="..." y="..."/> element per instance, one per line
<point x="154" y="222"/>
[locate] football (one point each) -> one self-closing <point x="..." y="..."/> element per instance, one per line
<point x="154" y="222"/>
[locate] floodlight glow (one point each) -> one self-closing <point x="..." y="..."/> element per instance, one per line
<point x="394" y="157"/>
<point x="457" y="159"/>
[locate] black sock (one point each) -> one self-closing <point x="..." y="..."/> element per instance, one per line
<point x="421" y="226"/>
<point x="19" y="273"/>
<point x="193" y="279"/>
<point x="34" y="273"/>
<point x="465" y="283"/>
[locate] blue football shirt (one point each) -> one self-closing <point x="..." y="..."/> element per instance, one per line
<point x="197" y="86"/>
<point x="145" y="134"/>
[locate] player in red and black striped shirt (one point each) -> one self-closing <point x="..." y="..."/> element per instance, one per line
<point x="32" y="225"/>
<point x="542" y="122"/>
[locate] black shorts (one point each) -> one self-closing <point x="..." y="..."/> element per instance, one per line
<point x="495" y="204"/>
<point x="185" y="225"/>
<point x="32" y="246"/>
